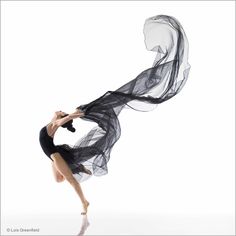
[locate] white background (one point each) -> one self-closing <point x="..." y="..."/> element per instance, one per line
<point x="171" y="172"/>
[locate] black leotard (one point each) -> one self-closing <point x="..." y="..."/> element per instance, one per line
<point x="65" y="150"/>
<point x="46" y="142"/>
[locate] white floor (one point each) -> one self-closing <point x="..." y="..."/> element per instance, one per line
<point x="101" y="223"/>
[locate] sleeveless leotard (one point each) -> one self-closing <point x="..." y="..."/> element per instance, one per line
<point x="46" y="142"/>
<point x="65" y="150"/>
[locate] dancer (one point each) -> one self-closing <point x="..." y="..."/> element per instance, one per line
<point x="163" y="35"/>
<point x="60" y="168"/>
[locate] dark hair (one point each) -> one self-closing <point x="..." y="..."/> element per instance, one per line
<point x="68" y="124"/>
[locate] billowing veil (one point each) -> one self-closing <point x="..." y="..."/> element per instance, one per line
<point x="167" y="76"/>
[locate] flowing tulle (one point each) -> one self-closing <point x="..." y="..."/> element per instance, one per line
<point x="167" y="76"/>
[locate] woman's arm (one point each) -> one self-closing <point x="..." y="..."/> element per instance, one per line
<point x="57" y="114"/>
<point x="71" y="116"/>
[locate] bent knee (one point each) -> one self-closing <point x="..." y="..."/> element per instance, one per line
<point x="60" y="179"/>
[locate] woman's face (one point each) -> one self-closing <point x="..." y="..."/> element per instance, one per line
<point x="59" y="114"/>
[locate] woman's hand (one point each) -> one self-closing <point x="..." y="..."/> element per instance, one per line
<point x="77" y="110"/>
<point x="76" y="114"/>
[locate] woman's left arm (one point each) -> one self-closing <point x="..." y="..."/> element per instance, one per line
<point x="65" y="119"/>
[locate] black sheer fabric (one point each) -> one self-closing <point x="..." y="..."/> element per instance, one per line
<point x="167" y="76"/>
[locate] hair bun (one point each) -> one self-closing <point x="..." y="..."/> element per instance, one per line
<point x="68" y="124"/>
<point x="71" y="128"/>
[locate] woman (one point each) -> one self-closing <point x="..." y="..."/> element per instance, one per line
<point x="163" y="35"/>
<point x="58" y="155"/>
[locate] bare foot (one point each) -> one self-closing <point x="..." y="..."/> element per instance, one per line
<point x="85" y="207"/>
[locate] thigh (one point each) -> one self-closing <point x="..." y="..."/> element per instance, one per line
<point x="62" y="167"/>
<point x="57" y="175"/>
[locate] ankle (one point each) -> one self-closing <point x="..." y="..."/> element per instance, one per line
<point x="85" y="202"/>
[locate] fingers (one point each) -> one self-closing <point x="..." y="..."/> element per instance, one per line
<point x="80" y="114"/>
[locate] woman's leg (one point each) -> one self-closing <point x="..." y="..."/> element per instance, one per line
<point x="58" y="177"/>
<point x="64" y="170"/>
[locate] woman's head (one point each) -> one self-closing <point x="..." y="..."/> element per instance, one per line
<point x="68" y="124"/>
<point x="59" y="114"/>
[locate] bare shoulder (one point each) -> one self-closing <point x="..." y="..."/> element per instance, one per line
<point x="52" y="127"/>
